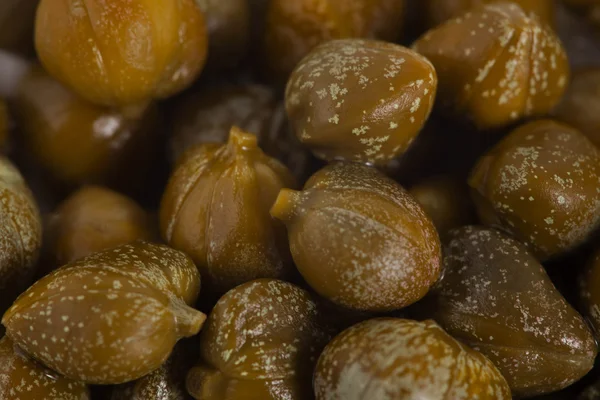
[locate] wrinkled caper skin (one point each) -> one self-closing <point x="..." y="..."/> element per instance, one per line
<point x="483" y="64"/>
<point x="216" y="209"/>
<point x="122" y="52"/>
<point x="497" y="298"/>
<point x="439" y="11"/>
<point x="261" y="342"/>
<point x="24" y="378"/>
<point x="541" y="184"/>
<point x="360" y="100"/>
<point x="580" y="106"/>
<point x="404" y="359"/>
<point x="165" y="383"/>
<point x="446" y="200"/>
<point x="294" y="28"/>
<point x="359" y="239"/>
<point x="206" y="116"/>
<point x="77" y="142"/>
<point x="93" y="219"/>
<point x="228" y="30"/>
<point x="111" y="317"/>
<point x="20" y="234"/>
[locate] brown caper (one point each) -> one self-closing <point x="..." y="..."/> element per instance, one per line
<point x="23" y="378"/>
<point x="111" y="317"/>
<point x="360" y="100"/>
<point x="541" y="183"/>
<point x="261" y="341"/>
<point x="94" y="219"/>
<point x="390" y="358"/>
<point x="497" y="298"/>
<point x="20" y="234"/>
<point x="122" y="52"/>
<point x="216" y="209"/>
<point x="77" y="142"/>
<point x="359" y="239"/>
<point x="496" y="65"/>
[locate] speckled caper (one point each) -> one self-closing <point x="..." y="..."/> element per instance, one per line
<point x="439" y="11"/>
<point x="20" y="234"/>
<point x="165" y="383"/>
<point x="294" y="28"/>
<point x="22" y="378"/>
<point x="496" y="65"/>
<point x="216" y="209"/>
<point x="541" y="183"/>
<point x="93" y="219"/>
<point x="111" y="317"/>
<point x="359" y="239"/>
<point x="580" y="107"/>
<point x="390" y="358"/>
<point x="446" y="200"/>
<point x="360" y="100"/>
<point x="122" y="52"/>
<point x="260" y="342"/>
<point x="497" y="298"/>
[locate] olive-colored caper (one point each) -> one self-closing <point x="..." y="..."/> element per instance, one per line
<point x="110" y="317"/>
<point x="78" y="142"/>
<point x="497" y="298"/>
<point x="496" y="65"/>
<point x="260" y="342"/>
<point x="20" y="234"/>
<point x="23" y="378"/>
<point x="541" y="183"/>
<point x="360" y="100"/>
<point x="122" y="52"/>
<point x="93" y="219"/>
<point x="216" y="209"/>
<point x="391" y="358"/>
<point x="359" y="239"/>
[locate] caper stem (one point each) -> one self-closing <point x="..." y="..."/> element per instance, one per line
<point x="286" y="205"/>
<point x="189" y="321"/>
<point x="238" y="139"/>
